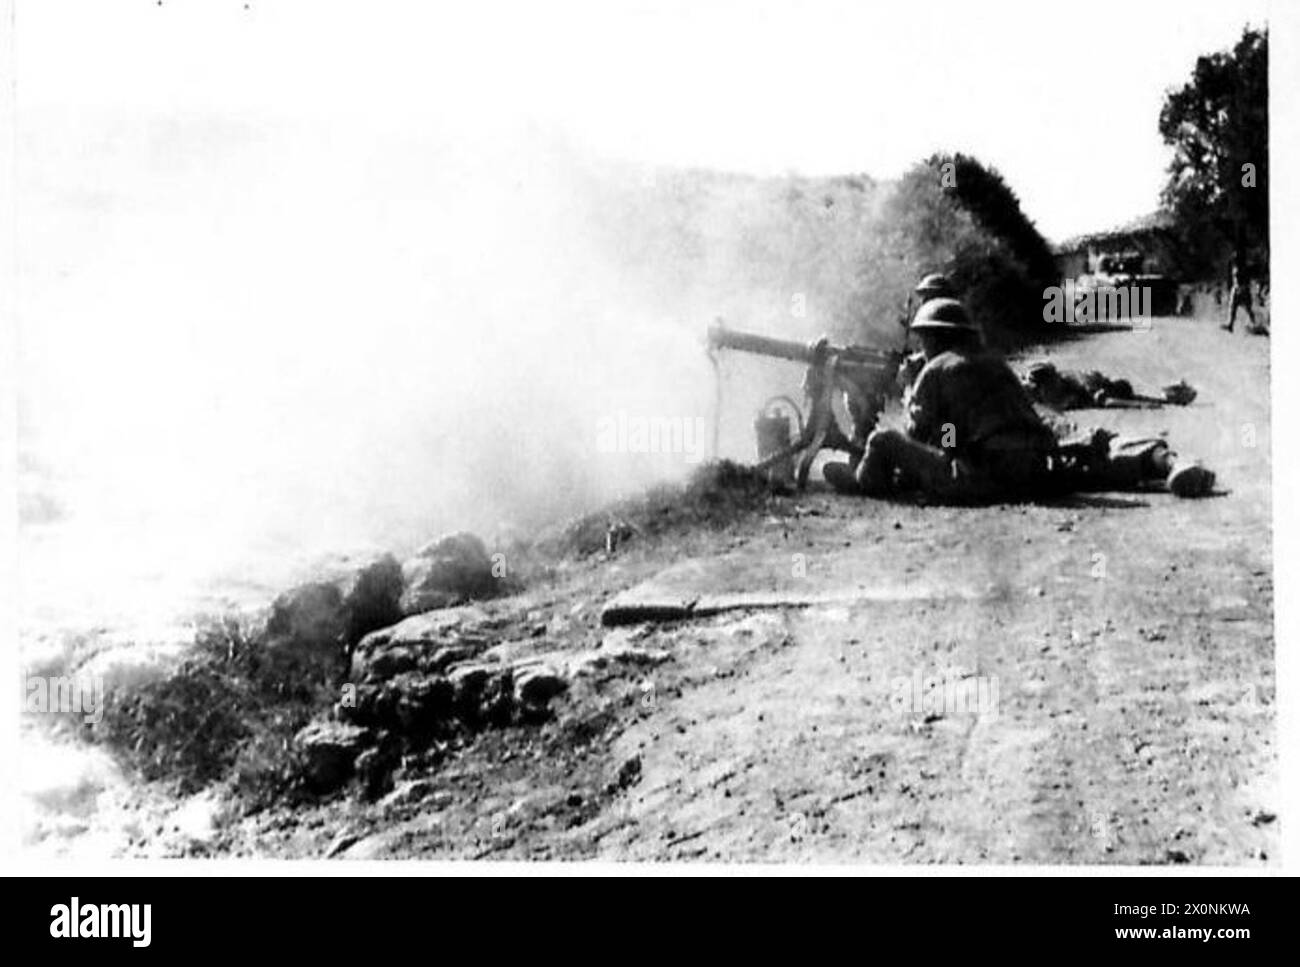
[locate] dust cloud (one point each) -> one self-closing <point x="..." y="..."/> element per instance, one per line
<point x="245" y="344"/>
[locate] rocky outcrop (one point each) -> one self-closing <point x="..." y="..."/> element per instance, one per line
<point x="329" y="751"/>
<point x="429" y="643"/>
<point x="434" y="672"/>
<point x="372" y="597"/>
<point x="535" y="684"/>
<point x="447" y="572"/>
<point x="420" y="683"/>
<point x="303" y="639"/>
<point x="312" y="627"/>
<point x="421" y="686"/>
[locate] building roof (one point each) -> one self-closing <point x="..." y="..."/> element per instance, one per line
<point x="1157" y="221"/>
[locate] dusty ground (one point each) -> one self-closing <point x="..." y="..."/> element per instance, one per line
<point x="1123" y="643"/>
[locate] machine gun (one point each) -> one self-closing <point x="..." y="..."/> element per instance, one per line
<point x="864" y="377"/>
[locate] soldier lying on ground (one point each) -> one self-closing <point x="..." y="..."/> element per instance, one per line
<point x="1082" y="390"/>
<point x="972" y="434"/>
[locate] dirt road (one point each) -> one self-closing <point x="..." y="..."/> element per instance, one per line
<point x="1088" y="681"/>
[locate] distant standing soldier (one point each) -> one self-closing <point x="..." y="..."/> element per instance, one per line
<point x="1239" y="296"/>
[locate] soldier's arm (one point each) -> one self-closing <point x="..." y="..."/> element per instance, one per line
<point x="921" y="407"/>
<point x="909" y="369"/>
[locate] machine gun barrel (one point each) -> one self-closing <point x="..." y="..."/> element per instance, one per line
<point x="720" y="337"/>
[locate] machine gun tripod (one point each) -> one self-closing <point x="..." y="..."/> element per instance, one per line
<point x="862" y="376"/>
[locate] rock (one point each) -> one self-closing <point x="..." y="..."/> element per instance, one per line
<point x="535" y="686"/>
<point x="421" y="702"/>
<point x="449" y="571"/>
<point x="484" y="693"/>
<point x="304" y="636"/>
<point x="509" y="652"/>
<point x="412" y="791"/>
<point x="372" y="597"/>
<point x="410" y="704"/>
<point x="629" y="774"/>
<point x="329" y="752"/>
<point x="617" y="649"/>
<point x="372" y="847"/>
<point x="341" y="842"/>
<point x="374" y="769"/>
<point x="312" y="626"/>
<point x="365" y="708"/>
<point x="429" y="643"/>
<point x="389" y="662"/>
<point x="470" y="679"/>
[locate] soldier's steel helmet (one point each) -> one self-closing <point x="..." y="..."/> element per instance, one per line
<point x="1042" y="373"/>
<point x="935" y="286"/>
<point x="944" y="314"/>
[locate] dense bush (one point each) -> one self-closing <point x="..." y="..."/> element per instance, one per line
<point x="215" y="717"/>
<point x="971" y="228"/>
<point x="838" y="255"/>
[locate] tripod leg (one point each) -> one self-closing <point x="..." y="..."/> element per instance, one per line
<point x="821" y="423"/>
<point x="809" y="455"/>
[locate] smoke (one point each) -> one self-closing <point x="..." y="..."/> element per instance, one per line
<point x="245" y="343"/>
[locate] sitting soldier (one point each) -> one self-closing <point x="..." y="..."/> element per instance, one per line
<point x="971" y="433"/>
<point x="933" y="286"/>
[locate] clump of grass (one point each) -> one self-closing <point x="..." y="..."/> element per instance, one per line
<point x="217" y="717"/>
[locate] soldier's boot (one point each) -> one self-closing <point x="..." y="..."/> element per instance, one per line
<point x="875" y="472"/>
<point x="840" y="476"/>
<point x="1190" y="480"/>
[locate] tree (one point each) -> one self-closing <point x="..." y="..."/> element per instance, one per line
<point x="984" y="193"/>
<point x="952" y="214"/>
<point x="1217" y="191"/>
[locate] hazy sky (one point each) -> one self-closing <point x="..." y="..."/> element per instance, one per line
<point x="1063" y="98"/>
<point x="309" y="272"/>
